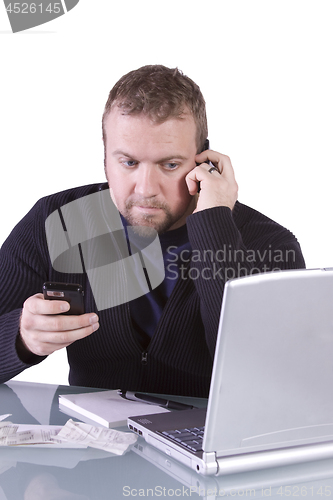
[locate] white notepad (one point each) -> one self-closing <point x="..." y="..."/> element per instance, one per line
<point x="106" y="408"/>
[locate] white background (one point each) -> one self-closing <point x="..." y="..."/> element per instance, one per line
<point x="264" y="67"/>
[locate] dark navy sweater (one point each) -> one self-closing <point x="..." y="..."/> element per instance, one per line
<point x="177" y="356"/>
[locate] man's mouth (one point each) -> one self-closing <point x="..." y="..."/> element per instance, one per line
<point x="146" y="208"/>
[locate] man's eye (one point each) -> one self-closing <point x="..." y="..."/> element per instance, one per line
<point x="129" y="163"/>
<point x="171" y="166"/>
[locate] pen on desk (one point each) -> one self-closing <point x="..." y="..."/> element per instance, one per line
<point x="153" y="400"/>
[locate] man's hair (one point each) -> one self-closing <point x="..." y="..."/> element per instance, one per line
<point x="159" y="93"/>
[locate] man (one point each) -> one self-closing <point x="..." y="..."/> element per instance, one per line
<point x="160" y="177"/>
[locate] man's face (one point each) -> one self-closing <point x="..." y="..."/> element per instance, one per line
<point x="146" y="165"/>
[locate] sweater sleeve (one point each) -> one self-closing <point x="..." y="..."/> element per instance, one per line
<point x="229" y="244"/>
<point x="21" y="275"/>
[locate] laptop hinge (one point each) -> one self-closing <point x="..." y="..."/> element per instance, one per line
<point x="208" y="465"/>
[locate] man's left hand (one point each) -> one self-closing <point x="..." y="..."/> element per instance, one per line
<point x="217" y="187"/>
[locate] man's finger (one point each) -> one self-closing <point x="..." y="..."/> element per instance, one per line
<point x="65" y="338"/>
<point x="222" y="162"/>
<point x="38" y="305"/>
<point x="59" y="323"/>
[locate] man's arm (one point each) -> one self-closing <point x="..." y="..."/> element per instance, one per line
<point x="226" y="247"/>
<point x="229" y="239"/>
<point x="30" y="327"/>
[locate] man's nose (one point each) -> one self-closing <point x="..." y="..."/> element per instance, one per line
<point x="147" y="181"/>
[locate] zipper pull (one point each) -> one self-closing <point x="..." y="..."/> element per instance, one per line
<point x="144" y="357"/>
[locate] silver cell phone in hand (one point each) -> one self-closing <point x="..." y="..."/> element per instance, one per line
<point x="71" y="292"/>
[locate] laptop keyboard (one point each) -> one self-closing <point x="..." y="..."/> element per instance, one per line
<point x="191" y="438"/>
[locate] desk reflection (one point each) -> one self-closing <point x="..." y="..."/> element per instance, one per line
<point x="90" y="474"/>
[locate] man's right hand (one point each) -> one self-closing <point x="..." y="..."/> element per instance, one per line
<point x="44" y="330"/>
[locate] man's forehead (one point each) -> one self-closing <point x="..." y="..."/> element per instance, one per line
<point x="117" y="114"/>
<point x="138" y="136"/>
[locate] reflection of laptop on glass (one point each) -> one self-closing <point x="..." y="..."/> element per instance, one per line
<point x="270" y="400"/>
<point x="310" y="478"/>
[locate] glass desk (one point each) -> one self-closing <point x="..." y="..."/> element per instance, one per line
<point x="90" y="474"/>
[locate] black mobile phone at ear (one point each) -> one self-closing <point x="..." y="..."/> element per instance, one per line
<point x="71" y="292"/>
<point x="204" y="148"/>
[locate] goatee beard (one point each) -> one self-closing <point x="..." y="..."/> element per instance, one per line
<point x="145" y="225"/>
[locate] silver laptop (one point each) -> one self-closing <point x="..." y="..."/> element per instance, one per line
<point x="271" y="395"/>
